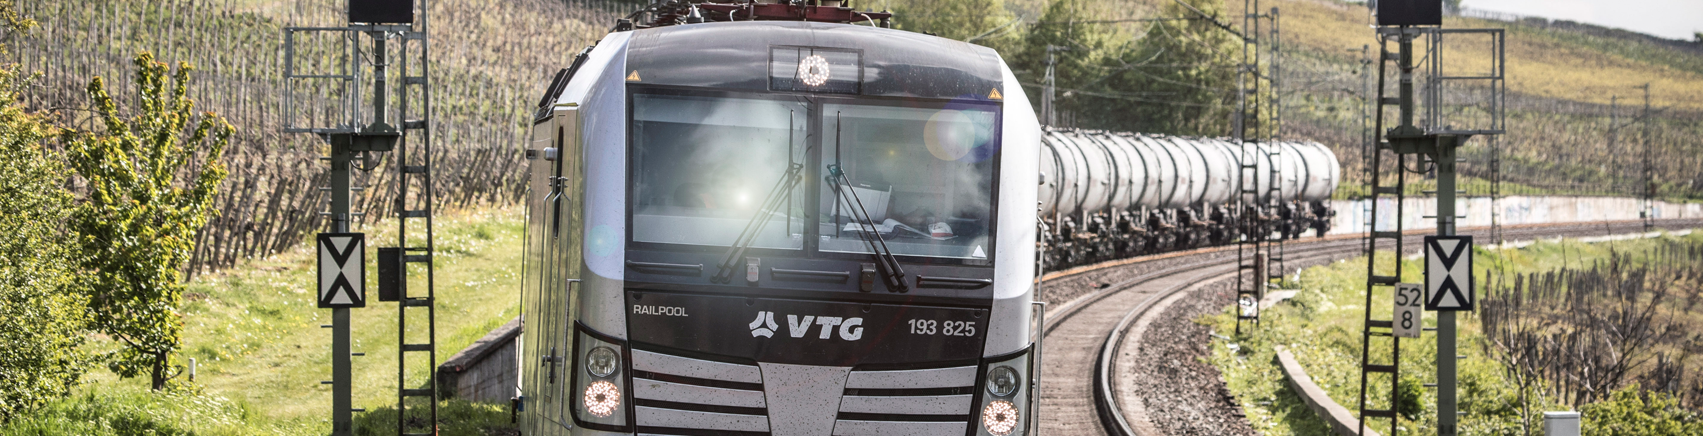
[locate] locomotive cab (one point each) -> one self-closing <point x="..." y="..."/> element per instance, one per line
<point x="781" y="227"/>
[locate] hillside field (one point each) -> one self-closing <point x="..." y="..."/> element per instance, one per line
<point x="256" y="336"/>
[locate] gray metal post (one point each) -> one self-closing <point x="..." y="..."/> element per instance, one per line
<point x="380" y="82"/>
<point x="1048" y="105"/>
<point x="1614" y="133"/>
<point x="1442" y="153"/>
<point x="1406" y="86"/>
<point x="1446" y="400"/>
<point x="1047" y="94"/>
<point x="1649" y="188"/>
<point x="342" y="423"/>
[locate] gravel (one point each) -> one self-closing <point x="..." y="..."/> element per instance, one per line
<point x="1063" y="290"/>
<point x="1184" y="393"/>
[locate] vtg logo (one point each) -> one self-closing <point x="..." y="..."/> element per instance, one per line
<point x="851" y="329"/>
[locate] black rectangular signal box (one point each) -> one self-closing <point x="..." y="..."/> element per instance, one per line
<point x="1410" y="12"/>
<point x="381" y="11"/>
<point x="391" y="286"/>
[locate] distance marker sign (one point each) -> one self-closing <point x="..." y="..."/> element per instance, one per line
<point x="1448" y="273"/>
<point x="1409" y="319"/>
<point x="342" y="270"/>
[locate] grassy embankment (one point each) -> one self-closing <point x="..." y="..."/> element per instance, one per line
<point x="256" y="335"/>
<point x="1321" y="327"/>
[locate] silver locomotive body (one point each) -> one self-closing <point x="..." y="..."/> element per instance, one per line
<point x="780" y="227"/>
<point x="1107" y="195"/>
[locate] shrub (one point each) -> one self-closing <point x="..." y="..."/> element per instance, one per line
<point x="41" y="315"/>
<point x="137" y="225"/>
<point x="1629" y="413"/>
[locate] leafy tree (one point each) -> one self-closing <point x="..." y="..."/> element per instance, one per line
<point x="13" y="21"/>
<point x="1178" y="78"/>
<point x="41" y="312"/>
<point x="150" y="184"/>
<point x="1068" y="25"/>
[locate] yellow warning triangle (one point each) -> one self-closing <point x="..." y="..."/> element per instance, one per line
<point x="995" y="95"/>
<point x="633" y="77"/>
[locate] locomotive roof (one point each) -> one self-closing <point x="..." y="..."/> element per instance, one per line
<point x="736" y="55"/>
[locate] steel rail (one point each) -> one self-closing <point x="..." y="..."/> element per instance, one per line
<point x="1112" y="417"/>
<point x="1105" y="396"/>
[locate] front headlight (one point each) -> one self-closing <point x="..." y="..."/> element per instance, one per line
<point x="602" y="398"/>
<point x="1003" y="381"/>
<point x="999" y="418"/>
<point x="598" y="383"/>
<point x="601" y="361"/>
<point x="1005" y="408"/>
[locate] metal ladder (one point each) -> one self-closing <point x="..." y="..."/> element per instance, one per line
<point x="1274" y="249"/>
<point x="412" y="212"/>
<point x="1254" y="254"/>
<point x="1381" y="287"/>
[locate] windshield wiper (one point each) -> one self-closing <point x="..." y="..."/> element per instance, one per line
<point x="781" y="192"/>
<point x="888" y="265"/>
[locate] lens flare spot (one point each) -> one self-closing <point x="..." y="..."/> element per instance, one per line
<point x="949" y="134"/>
<point x="603" y="240"/>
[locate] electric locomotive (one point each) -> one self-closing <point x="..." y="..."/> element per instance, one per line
<point x="780" y="218"/>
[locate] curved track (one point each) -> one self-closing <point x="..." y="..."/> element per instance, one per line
<point x="1088" y="335"/>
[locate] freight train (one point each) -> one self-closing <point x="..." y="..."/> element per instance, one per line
<point x="787" y="218"/>
<point x="1107" y="195"/>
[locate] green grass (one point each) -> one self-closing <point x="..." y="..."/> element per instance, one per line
<point x="255" y="333"/>
<point x="1321" y="327"/>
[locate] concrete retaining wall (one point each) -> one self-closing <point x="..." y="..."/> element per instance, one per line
<point x="1340" y="419"/>
<point x="1352" y="215"/>
<point x="488" y="370"/>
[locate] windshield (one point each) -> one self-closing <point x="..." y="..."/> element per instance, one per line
<point x="924" y="175"/>
<point x="702" y="167"/>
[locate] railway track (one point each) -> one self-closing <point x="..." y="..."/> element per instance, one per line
<point x="1102" y="322"/>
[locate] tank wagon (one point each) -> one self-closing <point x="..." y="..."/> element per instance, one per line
<point x="779" y="218"/>
<point x="1107" y="195"/>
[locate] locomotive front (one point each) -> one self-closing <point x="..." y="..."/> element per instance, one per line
<point x="781" y="227"/>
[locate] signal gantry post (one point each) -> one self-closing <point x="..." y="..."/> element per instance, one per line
<point x="1434" y="139"/>
<point x="328" y="105"/>
<point x="1648" y="215"/>
<point x="1256" y="252"/>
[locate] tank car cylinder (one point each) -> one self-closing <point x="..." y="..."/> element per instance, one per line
<point x="1189" y="170"/>
<point x="1070" y="179"/>
<point x="1319" y="170"/>
<point x="1052" y="170"/>
<point x="1097" y="172"/>
<point x="1172" y="168"/>
<point x="1216" y="182"/>
<point x="1132" y="172"/>
<point x="1232" y="175"/>
<point x="1292" y="170"/>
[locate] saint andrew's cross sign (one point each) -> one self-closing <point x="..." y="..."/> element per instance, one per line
<point x="1448" y="273"/>
<point x="342" y="270"/>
